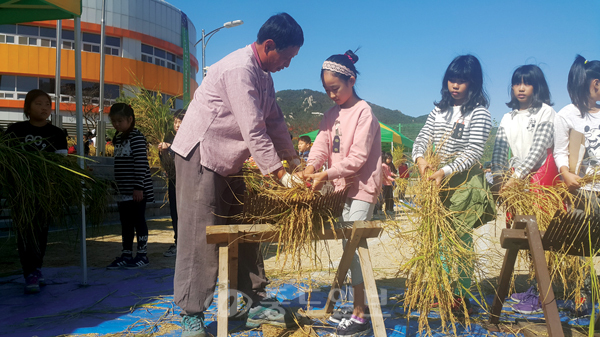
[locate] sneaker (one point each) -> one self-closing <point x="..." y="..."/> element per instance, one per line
<point x="518" y="297"/>
<point x="528" y="305"/>
<point x="32" y="284"/>
<point x="41" y="279"/>
<point x="140" y="261"/>
<point x="581" y="307"/>
<point x="272" y="312"/>
<point x="353" y="328"/>
<point x="193" y="326"/>
<point x="119" y="262"/>
<point x="172" y="251"/>
<point x="339" y="315"/>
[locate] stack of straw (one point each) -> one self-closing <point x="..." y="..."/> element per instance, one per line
<point x="438" y="254"/>
<point x="298" y="213"/>
<point x="47" y="185"/>
<point x="526" y="198"/>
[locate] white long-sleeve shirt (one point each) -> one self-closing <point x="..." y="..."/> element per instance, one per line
<point x="528" y="134"/>
<point x="569" y="118"/>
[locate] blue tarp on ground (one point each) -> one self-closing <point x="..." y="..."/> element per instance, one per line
<point x="133" y="301"/>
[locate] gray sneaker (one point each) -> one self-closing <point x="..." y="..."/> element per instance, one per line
<point x="172" y="251"/>
<point x="272" y="312"/>
<point x="193" y="326"/>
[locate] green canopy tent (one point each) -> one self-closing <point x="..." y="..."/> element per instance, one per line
<point x="22" y="11"/>
<point x="18" y="11"/>
<point x="388" y="135"/>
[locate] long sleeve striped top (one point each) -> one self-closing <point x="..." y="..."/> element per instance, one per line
<point x="132" y="171"/>
<point x="459" y="140"/>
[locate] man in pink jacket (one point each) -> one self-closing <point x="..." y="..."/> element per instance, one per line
<point x="233" y="115"/>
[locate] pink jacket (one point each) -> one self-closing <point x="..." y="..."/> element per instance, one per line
<point x="234" y="115"/>
<point x="358" y="162"/>
<point x="388" y="176"/>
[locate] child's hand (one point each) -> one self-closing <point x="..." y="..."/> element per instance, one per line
<point x="163" y="146"/>
<point x="318" y="180"/>
<point x="438" y="176"/>
<point x="138" y="195"/>
<point x="423" y="165"/>
<point x="571" y="180"/>
<point x="509" y="184"/>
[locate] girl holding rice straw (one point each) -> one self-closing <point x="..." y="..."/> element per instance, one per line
<point x="581" y="116"/>
<point x="36" y="134"/>
<point x="349" y="141"/>
<point x="528" y="132"/>
<point x="459" y="127"/>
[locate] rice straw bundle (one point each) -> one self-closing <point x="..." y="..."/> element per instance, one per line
<point x="297" y="212"/>
<point x="47" y="185"/>
<point x="526" y="198"/>
<point x="438" y="254"/>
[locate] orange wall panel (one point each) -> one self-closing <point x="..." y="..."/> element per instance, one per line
<point x="41" y="62"/>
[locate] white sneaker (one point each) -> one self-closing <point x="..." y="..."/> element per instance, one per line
<point x="172" y="251"/>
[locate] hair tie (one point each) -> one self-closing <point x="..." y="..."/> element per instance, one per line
<point x="351" y="60"/>
<point x="586" y="61"/>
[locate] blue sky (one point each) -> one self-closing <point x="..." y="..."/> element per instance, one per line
<point x="407" y="45"/>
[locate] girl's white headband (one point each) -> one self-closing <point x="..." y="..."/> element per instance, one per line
<point x="338" y="68"/>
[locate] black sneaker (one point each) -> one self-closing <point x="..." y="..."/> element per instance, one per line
<point x="272" y="312"/>
<point x="339" y="315"/>
<point x="138" y="262"/>
<point x="353" y="328"/>
<point x="32" y="284"/>
<point x="119" y="262"/>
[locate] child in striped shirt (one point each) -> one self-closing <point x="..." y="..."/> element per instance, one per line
<point x="459" y="127"/>
<point x="134" y="185"/>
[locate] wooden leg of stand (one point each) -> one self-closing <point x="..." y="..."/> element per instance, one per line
<point x="371" y="289"/>
<point x="223" y="292"/>
<point x="543" y="278"/>
<point x="342" y="269"/>
<point x="510" y="257"/>
<point x="233" y="272"/>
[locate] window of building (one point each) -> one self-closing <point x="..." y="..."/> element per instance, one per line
<point x="161" y="58"/>
<point x="46" y="37"/>
<point x="16" y="87"/>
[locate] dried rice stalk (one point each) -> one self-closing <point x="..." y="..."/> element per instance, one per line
<point x="438" y="254"/>
<point x="526" y="198"/>
<point x="298" y="213"/>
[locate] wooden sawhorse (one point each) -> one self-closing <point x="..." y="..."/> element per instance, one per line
<point x="567" y="232"/>
<point x="356" y="232"/>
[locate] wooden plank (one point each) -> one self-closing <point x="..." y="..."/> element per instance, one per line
<point x="223" y="292"/>
<point x="510" y="257"/>
<point x="343" y="267"/>
<point x="233" y="272"/>
<point x="544" y="283"/>
<point x="268" y="233"/>
<point x="371" y="289"/>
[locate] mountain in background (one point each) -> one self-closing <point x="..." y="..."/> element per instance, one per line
<point x="303" y="109"/>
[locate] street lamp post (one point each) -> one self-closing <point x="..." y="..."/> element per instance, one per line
<point x="209" y="35"/>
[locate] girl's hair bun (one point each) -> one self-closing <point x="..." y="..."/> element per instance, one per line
<point x="350" y="54"/>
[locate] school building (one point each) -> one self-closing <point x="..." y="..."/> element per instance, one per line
<point x="149" y="42"/>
